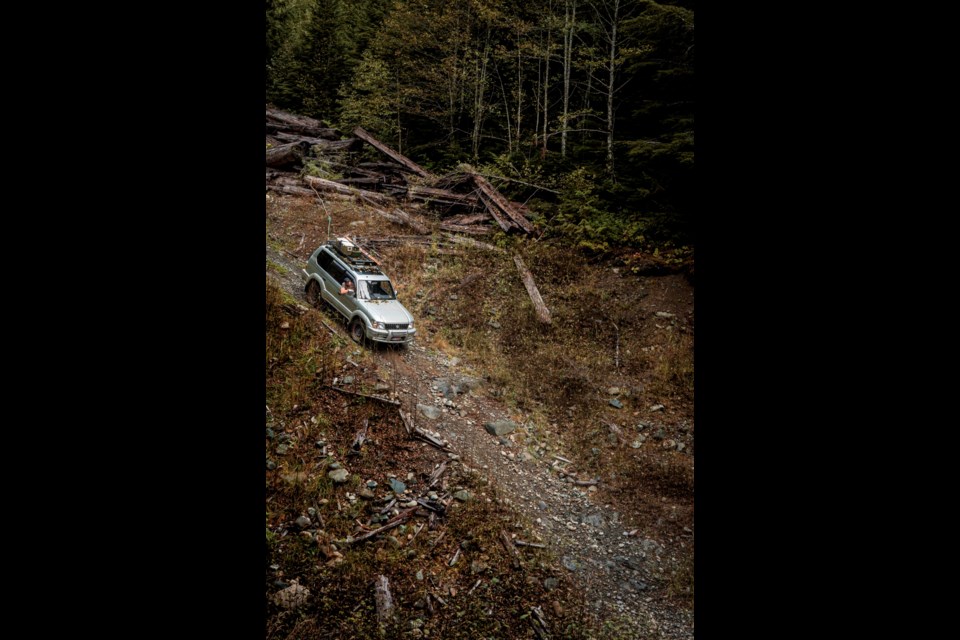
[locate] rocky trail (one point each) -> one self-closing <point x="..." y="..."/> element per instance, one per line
<point x="622" y="572"/>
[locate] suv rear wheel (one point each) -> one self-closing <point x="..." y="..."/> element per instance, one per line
<point x="356" y="330"/>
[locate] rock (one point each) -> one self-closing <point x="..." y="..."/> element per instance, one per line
<point x="454" y="361"/>
<point x="668" y="444"/>
<point x="416" y="633"/>
<point x="433" y="495"/>
<point x="681" y="446"/>
<point x="614" y="391"/>
<point x="420" y="574"/>
<point x="429" y="411"/>
<point x="665" y="314"/>
<point x="371" y="484"/>
<point x="551" y="583"/>
<point x="630" y="563"/>
<point x="463" y="495"/>
<point x="616" y="403"/>
<point x="478" y="566"/>
<point x="284" y="325"/>
<point x="416" y="623"/>
<point x="494" y="324"/>
<point x="594" y="520"/>
<point x="420" y="604"/>
<point x="542" y="505"/>
<point x="339" y="476"/>
<point x="447" y="402"/>
<point x="409" y="505"/>
<point x="302" y="522"/>
<point x="500" y="427"/>
<point x="557" y="609"/>
<point x="320" y="444"/>
<point x="393" y="542"/>
<point x="311" y="512"/>
<point x="366" y="494"/>
<point x="381" y="386"/>
<point x="660" y="434"/>
<point x="638" y="441"/>
<point x="270" y="433"/>
<point x="396" y="486"/>
<point x="657" y="407"/>
<point x="453" y="296"/>
<point x="638" y="585"/>
<point x="649" y="546"/>
<point x="347" y="379"/>
<point x="336" y="465"/>
<point x="468" y="384"/>
<point x="524" y="456"/>
<point x="595" y="451"/>
<point x="592" y="488"/>
<point x="293" y="597"/>
<point x="503" y="441"/>
<point x="271" y="465"/>
<point x="282" y="449"/>
<point x="569" y="563"/>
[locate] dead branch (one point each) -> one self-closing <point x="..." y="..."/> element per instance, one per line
<point x="395" y="522"/>
<point x="543" y="313"/>
<point x="395" y="403"/>
<point x="455" y="557"/>
<point x="539" y="623"/>
<point x="435" y="476"/>
<point x="407" y="422"/>
<point x="521" y="543"/>
<point x="499" y="202"/>
<point x="562" y="459"/>
<point x="475" y="587"/>
<point x="508" y="544"/>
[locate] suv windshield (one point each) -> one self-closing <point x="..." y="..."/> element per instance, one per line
<point x="376" y="290"/>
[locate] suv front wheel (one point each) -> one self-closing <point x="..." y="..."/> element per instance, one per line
<point x="313" y="293"/>
<point x="356" y="330"/>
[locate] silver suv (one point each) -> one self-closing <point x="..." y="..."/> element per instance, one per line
<point x="354" y="285"/>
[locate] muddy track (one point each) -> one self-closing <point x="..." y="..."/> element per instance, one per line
<point x="622" y="575"/>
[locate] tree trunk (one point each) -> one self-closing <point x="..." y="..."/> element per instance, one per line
<point x="286" y="154"/>
<point x="282" y="121"/>
<point x="542" y="311"/>
<point x="610" y="84"/>
<point x="570" y="16"/>
<point x="393" y="155"/>
<point x="495" y="196"/>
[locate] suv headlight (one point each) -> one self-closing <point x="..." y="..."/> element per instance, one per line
<point x="379" y="325"/>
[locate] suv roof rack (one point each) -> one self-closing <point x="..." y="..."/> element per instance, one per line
<point x="351" y="254"/>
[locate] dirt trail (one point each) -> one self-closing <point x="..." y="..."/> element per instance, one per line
<point x="622" y="575"/>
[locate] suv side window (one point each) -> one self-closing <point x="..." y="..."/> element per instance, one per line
<point x="324" y="259"/>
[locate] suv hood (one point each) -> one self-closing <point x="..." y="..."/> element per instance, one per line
<point x="389" y="311"/>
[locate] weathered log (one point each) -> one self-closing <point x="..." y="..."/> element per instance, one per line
<point x="361" y="180"/>
<point x="433" y="196"/>
<point x="290" y="191"/>
<point x="491" y="206"/>
<point x="393" y="155"/>
<point x="396" y="521"/>
<point x="283" y="121"/>
<point x="469" y="218"/>
<point x="470" y="242"/>
<point x="400" y="217"/>
<point x="435" y="476"/>
<point x="386" y="166"/>
<point x="586" y="483"/>
<point x="502" y="203"/>
<point x="383" y="599"/>
<point x="542" y="311"/>
<point x="336" y="187"/>
<point x="407" y="422"/>
<point x="325" y="145"/>
<point x="290" y="180"/>
<point x="539" y="623"/>
<point x="469" y="229"/>
<point x="363" y="395"/>
<point x="286" y="154"/>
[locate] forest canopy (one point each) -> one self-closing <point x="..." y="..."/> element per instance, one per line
<point x="590" y="100"/>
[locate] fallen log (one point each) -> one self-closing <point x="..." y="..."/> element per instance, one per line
<point x="468" y="229"/>
<point x="542" y="311"/>
<point x="393" y="155"/>
<point x="586" y="483"/>
<point x="286" y="154"/>
<point x="291" y="191"/>
<point x="363" y="395"/>
<point x="282" y="121"/>
<point x="383" y="599"/>
<point x="491" y="206"/>
<point x="469" y="218"/>
<point x="336" y="187"/>
<point x="435" y="476"/>
<point x="502" y="203"/>
<point x="386" y="166"/>
<point x="325" y="145"/>
<point x="398" y="216"/>
<point x="470" y="242"/>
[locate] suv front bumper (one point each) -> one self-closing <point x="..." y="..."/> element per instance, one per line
<point x="400" y="336"/>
